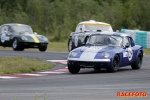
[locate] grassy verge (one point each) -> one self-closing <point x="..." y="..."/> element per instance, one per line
<point x="58" y="46"/>
<point x="11" y="65"/>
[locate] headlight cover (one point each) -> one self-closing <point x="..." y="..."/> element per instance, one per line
<point x="24" y="38"/>
<point x="44" y="38"/>
<point x="105" y="55"/>
<point x="72" y="54"/>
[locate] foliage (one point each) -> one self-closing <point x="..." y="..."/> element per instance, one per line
<point x="58" y="18"/>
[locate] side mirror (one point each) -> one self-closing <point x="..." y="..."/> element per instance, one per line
<point x="127" y="45"/>
<point x="81" y="29"/>
<point x="35" y="33"/>
<point x="117" y="31"/>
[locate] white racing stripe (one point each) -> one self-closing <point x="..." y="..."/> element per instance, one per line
<point x="90" y="53"/>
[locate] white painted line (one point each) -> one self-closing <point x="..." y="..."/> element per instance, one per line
<point x="35" y="74"/>
<point x="52" y="72"/>
<point x="7" y="77"/>
<point x="57" y="60"/>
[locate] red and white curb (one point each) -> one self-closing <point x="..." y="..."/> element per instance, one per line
<point x="58" y="61"/>
<point x="26" y="75"/>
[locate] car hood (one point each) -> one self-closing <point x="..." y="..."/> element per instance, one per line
<point x="35" y="37"/>
<point x="96" y="49"/>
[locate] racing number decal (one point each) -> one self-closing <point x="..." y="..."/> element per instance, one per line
<point x="130" y="54"/>
<point x="4" y="38"/>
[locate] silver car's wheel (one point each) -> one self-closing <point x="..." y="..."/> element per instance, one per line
<point x="15" y="43"/>
<point x="70" y="45"/>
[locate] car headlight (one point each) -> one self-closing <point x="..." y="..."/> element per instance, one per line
<point x="44" y="38"/>
<point x="105" y="55"/>
<point x="72" y="54"/>
<point x="24" y="38"/>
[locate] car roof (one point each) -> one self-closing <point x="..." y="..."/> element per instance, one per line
<point x="91" y="22"/>
<point x="11" y="24"/>
<point x="111" y="33"/>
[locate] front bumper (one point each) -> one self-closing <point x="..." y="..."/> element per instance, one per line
<point x="89" y="60"/>
<point x="89" y="63"/>
<point x="32" y="44"/>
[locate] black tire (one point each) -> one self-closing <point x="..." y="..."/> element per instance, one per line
<point x="138" y="63"/>
<point x="115" y="64"/>
<point x="73" y="69"/>
<point x="71" y="45"/>
<point x="97" y="68"/>
<point x="42" y="48"/>
<point x="15" y="44"/>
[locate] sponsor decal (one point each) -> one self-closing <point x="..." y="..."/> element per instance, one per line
<point x="132" y="94"/>
<point x="130" y="54"/>
<point x="4" y="38"/>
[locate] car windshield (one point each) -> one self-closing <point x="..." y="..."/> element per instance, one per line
<point x="99" y="39"/>
<point x="22" y="29"/>
<point x="98" y="27"/>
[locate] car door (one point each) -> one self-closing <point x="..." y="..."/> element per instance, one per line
<point x="5" y="34"/>
<point x="128" y="51"/>
<point x="78" y="36"/>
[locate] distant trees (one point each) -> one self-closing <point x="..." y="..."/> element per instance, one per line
<point x="57" y="18"/>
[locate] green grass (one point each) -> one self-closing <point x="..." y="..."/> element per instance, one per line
<point x="58" y="46"/>
<point x="11" y="65"/>
<point x="147" y="51"/>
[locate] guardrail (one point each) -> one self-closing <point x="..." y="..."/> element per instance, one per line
<point x="140" y="37"/>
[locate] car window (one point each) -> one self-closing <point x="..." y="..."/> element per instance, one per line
<point x="126" y="41"/>
<point x="22" y="29"/>
<point x="105" y="40"/>
<point x="98" y="27"/>
<point x="79" y="27"/>
<point x="4" y="29"/>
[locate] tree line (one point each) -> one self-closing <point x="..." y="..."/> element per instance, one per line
<point x="58" y="18"/>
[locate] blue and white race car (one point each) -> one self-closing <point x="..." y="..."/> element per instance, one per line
<point x="108" y="50"/>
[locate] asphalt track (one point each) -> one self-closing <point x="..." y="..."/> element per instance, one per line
<point x="87" y="85"/>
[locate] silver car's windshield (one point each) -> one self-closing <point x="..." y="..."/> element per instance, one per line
<point x="22" y="29"/>
<point x="98" y="27"/>
<point x="98" y="40"/>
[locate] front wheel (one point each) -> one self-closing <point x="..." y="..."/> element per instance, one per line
<point x="138" y="63"/>
<point x="42" y="47"/>
<point x="70" y="45"/>
<point x="73" y="69"/>
<point x="115" y="64"/>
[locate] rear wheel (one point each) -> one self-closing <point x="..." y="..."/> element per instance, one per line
<point x="73" y="69"/>
<point x="138" y="63"/>
<point x="115" y="64"/>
